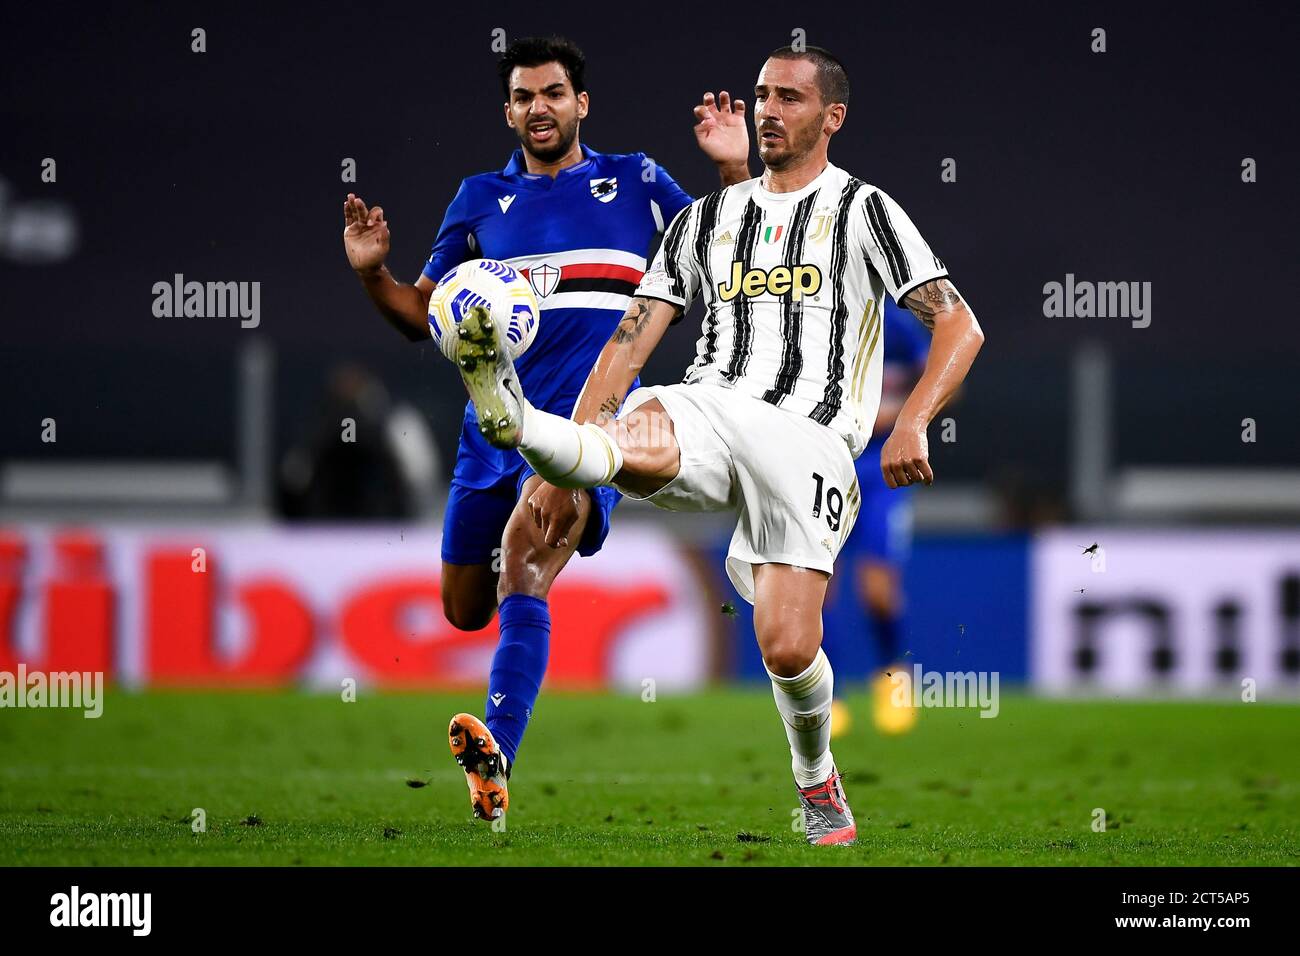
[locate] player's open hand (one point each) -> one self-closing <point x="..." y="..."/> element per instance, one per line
<point x="905" y="459"/>
<point x="555" y="510"/>
<point x="720" y="129"/>
<point x="365" y="234"/>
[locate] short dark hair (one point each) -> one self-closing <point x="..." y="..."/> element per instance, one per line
<point x="832" y="78"/>
<point x="534" y="51"/>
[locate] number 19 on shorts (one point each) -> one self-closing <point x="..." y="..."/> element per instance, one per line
<point x="834" y="503"/>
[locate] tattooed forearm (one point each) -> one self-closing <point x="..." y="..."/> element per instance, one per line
<point x="610" y="406"/>
<point x="634" y="322"/>
<point x="927" y="301"/>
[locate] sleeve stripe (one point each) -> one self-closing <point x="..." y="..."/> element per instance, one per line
<point x="883" y="231"/>
<point x="904" y="291"/>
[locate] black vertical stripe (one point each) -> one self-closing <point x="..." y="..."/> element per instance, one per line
<point x="826" y="410"/>
<point x="792" y="312"/>
<point x="874" y="229"/>
<point x="672" y="250"/>
<point x="741" y="308"/>
<point x="704" y="235"/>
<point x="704" y="255"/>
<point x="891" y="236"/>
<point x="883" y="230"/>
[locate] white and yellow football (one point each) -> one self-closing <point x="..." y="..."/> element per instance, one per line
<point x="501" y="288"/>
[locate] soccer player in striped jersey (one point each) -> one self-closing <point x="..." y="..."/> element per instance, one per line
<point x="782" y="395"/>
<point x="578" y="224"/>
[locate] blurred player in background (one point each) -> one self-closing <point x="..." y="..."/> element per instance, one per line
<point x="781" y="398"/>
<point x="579" y="225"/>
<point x="881" y="541"/>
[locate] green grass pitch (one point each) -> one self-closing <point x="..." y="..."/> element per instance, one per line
<point x="704" y="779"/>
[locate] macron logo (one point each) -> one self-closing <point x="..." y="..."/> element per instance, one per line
<point x="498" y="698"/>
<point x="102" y="909"/>
<point x="504" y="202"/>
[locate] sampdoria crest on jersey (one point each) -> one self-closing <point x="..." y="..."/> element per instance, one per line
<point x="543" y="278"/>
<point x="605" y="189"/>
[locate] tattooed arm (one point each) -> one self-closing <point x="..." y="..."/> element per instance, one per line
<point x="905" y="458"/>
<point x="928" y="300"/>
<point x="623" y="357"/>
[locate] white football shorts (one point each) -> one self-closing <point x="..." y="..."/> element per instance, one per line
<point x="789" y="479"/>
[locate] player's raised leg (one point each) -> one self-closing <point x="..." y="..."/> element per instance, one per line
<point x="477" y="512"/>
<point x="468" y="595"/>
<point x="788" y="623"/>
<point x="490" y="378"/>
<point x="641" y="453"/>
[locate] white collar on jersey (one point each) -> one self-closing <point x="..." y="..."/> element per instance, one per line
<point x="761" y="192"/>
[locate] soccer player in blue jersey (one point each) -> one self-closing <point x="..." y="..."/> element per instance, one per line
<point x="879" y="545"/>
<point x="579" y="224"/>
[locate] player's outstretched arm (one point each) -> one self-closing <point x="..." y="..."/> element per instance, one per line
<point x="623" y="357"/>
<point x="366" y="238"/>
<point x="905" y="458"/>
<point x="721" y="132"/>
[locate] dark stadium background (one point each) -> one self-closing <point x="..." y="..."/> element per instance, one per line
<point x="225" y="166"/>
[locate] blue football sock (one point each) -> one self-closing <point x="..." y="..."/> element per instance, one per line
<point x="889" y="630"/>
<point x="517" y="668"/>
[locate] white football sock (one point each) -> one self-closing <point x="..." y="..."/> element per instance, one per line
<point x="567" y="454"/>
<point x="805" y="705"/>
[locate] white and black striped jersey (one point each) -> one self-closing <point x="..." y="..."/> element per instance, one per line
<point x="793" y="285"/>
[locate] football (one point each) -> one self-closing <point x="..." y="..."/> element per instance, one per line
<point x="501" y="288"/>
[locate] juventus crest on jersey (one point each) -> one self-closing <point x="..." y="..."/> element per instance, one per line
<point x="793" y="286"/>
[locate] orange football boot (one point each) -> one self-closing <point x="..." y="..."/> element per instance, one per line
<point x="486" y="768"/>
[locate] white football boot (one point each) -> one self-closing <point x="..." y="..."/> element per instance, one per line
<point x="827" y="819"/>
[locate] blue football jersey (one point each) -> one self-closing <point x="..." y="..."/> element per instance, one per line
<point x="581" y="238"/>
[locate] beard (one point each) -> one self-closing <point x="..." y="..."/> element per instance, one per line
<point x="564" y="137"/>
<point x="794" y="147"/>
